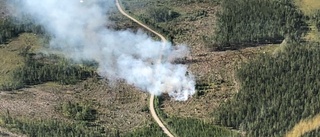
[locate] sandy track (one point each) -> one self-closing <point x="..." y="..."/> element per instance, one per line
<point x="141" y="24"/>
<point x="151" y="104"/>
<point x="304" y="126"/>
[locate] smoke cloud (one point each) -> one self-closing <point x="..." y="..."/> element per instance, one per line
<point x="79" y="30"/>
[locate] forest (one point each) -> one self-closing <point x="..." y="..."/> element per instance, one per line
<point x="50" y="68"/>
<point x="244" y="23"/>
<point x="11" y="27"/>
<point x="277" y="91"/>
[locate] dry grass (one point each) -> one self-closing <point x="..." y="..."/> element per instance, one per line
<point x="304" y="126"/>
<point x="308" y="6"/>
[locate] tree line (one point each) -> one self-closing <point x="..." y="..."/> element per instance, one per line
<point x="52" y="68"/>
<point x="11" y="27"/>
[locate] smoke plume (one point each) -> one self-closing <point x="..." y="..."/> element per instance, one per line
<point x="78" y="29"/>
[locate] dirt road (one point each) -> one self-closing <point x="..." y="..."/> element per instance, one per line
<point x="304" y="126"/>
<point x="151" y="104"/>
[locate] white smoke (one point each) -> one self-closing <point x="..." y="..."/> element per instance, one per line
<point x="79" y="30"/>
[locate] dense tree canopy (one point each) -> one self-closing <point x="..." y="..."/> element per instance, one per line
<point x="276" y="92"/>
<point x="12" y="27"/>
<point x="251" y="22"/>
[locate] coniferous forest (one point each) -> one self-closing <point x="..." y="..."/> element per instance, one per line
<point x="243" y="23"/>
<point x="12" y="27"/>
<point x="48" y="69"/>
<point x="277" y="92"/>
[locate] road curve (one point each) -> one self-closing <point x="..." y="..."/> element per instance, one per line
<point x="151" y="104"/>
<point x="141" y="24"/>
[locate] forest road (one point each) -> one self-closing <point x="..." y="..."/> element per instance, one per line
<point x="304" y="126"/>
<point x="163" y="39"/>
